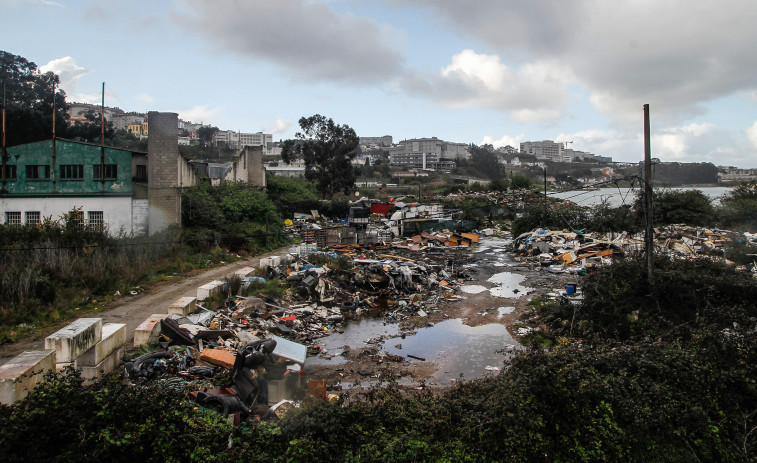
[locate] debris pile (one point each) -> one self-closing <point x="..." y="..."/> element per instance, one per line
<point x="247" y="353"/>
<point x="563" y="251"/>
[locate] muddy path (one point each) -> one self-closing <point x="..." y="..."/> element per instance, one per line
<point x="133" y="310"/>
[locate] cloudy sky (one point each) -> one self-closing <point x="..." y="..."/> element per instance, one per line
<point x="484" y="71"/>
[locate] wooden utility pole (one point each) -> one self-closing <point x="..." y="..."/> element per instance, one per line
<point x="649" y="231"/>
<point x="2" y="115"/>
<point x="545" y="184"/>
<point x="102" y="141"/>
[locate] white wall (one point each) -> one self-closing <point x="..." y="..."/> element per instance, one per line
<point x="117" y="211"/>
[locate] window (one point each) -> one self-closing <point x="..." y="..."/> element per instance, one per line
<point x="32" y="217"/>
<point x="38" y="172"/>
<point x="71" y="172"/>
<point x="111" y="171"/>
<point x="13" y="218"/>
<point x="95" y="219"/>
<point x="10" y="172"/>
<point x="141" y="172"/>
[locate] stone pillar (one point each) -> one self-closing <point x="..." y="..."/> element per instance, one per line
<point x="163" y="171"/>
<point x="255" y="169"/>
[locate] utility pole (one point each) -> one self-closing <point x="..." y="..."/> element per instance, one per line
<point x="545" y="184"/>
<point x="649" y="231"/>
<point x="2" y="115"/>
<point x="102" y="141"/>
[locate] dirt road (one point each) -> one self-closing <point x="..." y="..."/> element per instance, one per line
<point x="133" y="310"/>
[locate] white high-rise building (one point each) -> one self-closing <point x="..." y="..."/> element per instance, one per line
<point x="238" y="140"/>
<point x="545" y="150"/>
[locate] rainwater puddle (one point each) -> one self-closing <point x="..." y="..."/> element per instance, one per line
<point x="508" y="285"/>
<point x="355" y="336"/>
<point x="505" y="310"/>
<point x="456" y="348"/>
<point x="473" y="289"/>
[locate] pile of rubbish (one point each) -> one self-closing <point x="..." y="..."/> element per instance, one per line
<point x="564" y="251"/>
<point x="245" y="357"/>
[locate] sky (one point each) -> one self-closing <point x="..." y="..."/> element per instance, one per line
<point x="485" y="71"/>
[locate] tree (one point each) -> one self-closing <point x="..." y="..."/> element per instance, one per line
<point x="91" y="131"/>
<point x="328" y="150"/>
<point x="205" y="134"/>
<point x="521" y="182"/>
<point x="691" y="207"/>
<point x="29" y="101"/>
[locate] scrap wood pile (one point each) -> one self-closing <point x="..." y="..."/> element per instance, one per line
<point x="563" y="251"/>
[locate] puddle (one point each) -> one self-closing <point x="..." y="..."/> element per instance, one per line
<point x="505" y="310"/>
<point x="456" y="348"/>
<point x="356" y="333"/>
<point x="473" y="289"/>
<point x="508" y="285"/>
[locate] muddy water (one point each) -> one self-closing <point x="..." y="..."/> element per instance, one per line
<point x="457" y="349"/>
<point x="453" y="346"/>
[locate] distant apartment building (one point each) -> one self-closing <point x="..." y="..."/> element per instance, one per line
<point x="386" y="140"/>
<point x="734" y="174"/>
<point x="238" y="140"/>
<point x="78" y="112"/>
<point x="427" y="153"/>
<point x="546" y="150"/>
<point x="123" y="121"/>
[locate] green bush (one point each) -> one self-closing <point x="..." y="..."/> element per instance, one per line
<point x="738" y="209"/>
<point x="687" y="296"/>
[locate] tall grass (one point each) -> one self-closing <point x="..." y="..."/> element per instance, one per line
<point x="50" y="270"/>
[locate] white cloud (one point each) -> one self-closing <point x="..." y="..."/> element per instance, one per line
<point x="533" y="92"/>
<point x="308" y="39"/>
<point x="527" y="115"/>
<point x="503" y="140"/>
<point x="70" y="73"/>
<point x="698" y="142"/>
<point x="751" y="134"/>
<point x="674" y="55"/>
<point x="200" y="113"/>
<point x="145" y="97"/>
<point x="279" y="126"/>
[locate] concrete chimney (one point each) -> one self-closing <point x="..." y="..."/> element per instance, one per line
<point x="163" y="171"/>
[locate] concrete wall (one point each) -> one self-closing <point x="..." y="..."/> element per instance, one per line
<point x="163" y="171"/>
<point x="117" y="210"/>
<point x="248" y="167"/>
<point x="140" y="214"/>
<point x="67" y="153"/>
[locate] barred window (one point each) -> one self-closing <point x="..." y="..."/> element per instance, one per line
<point x="32" y="217"/>
<point x="71" y="172"/>
<point x="111" y="171"/>
<point x="95" y="219"/>
<point x="41" y="172"/>
<point x="141" y="172"/>
<point x="13" y="218"/>
<point x="10" y="172"/>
